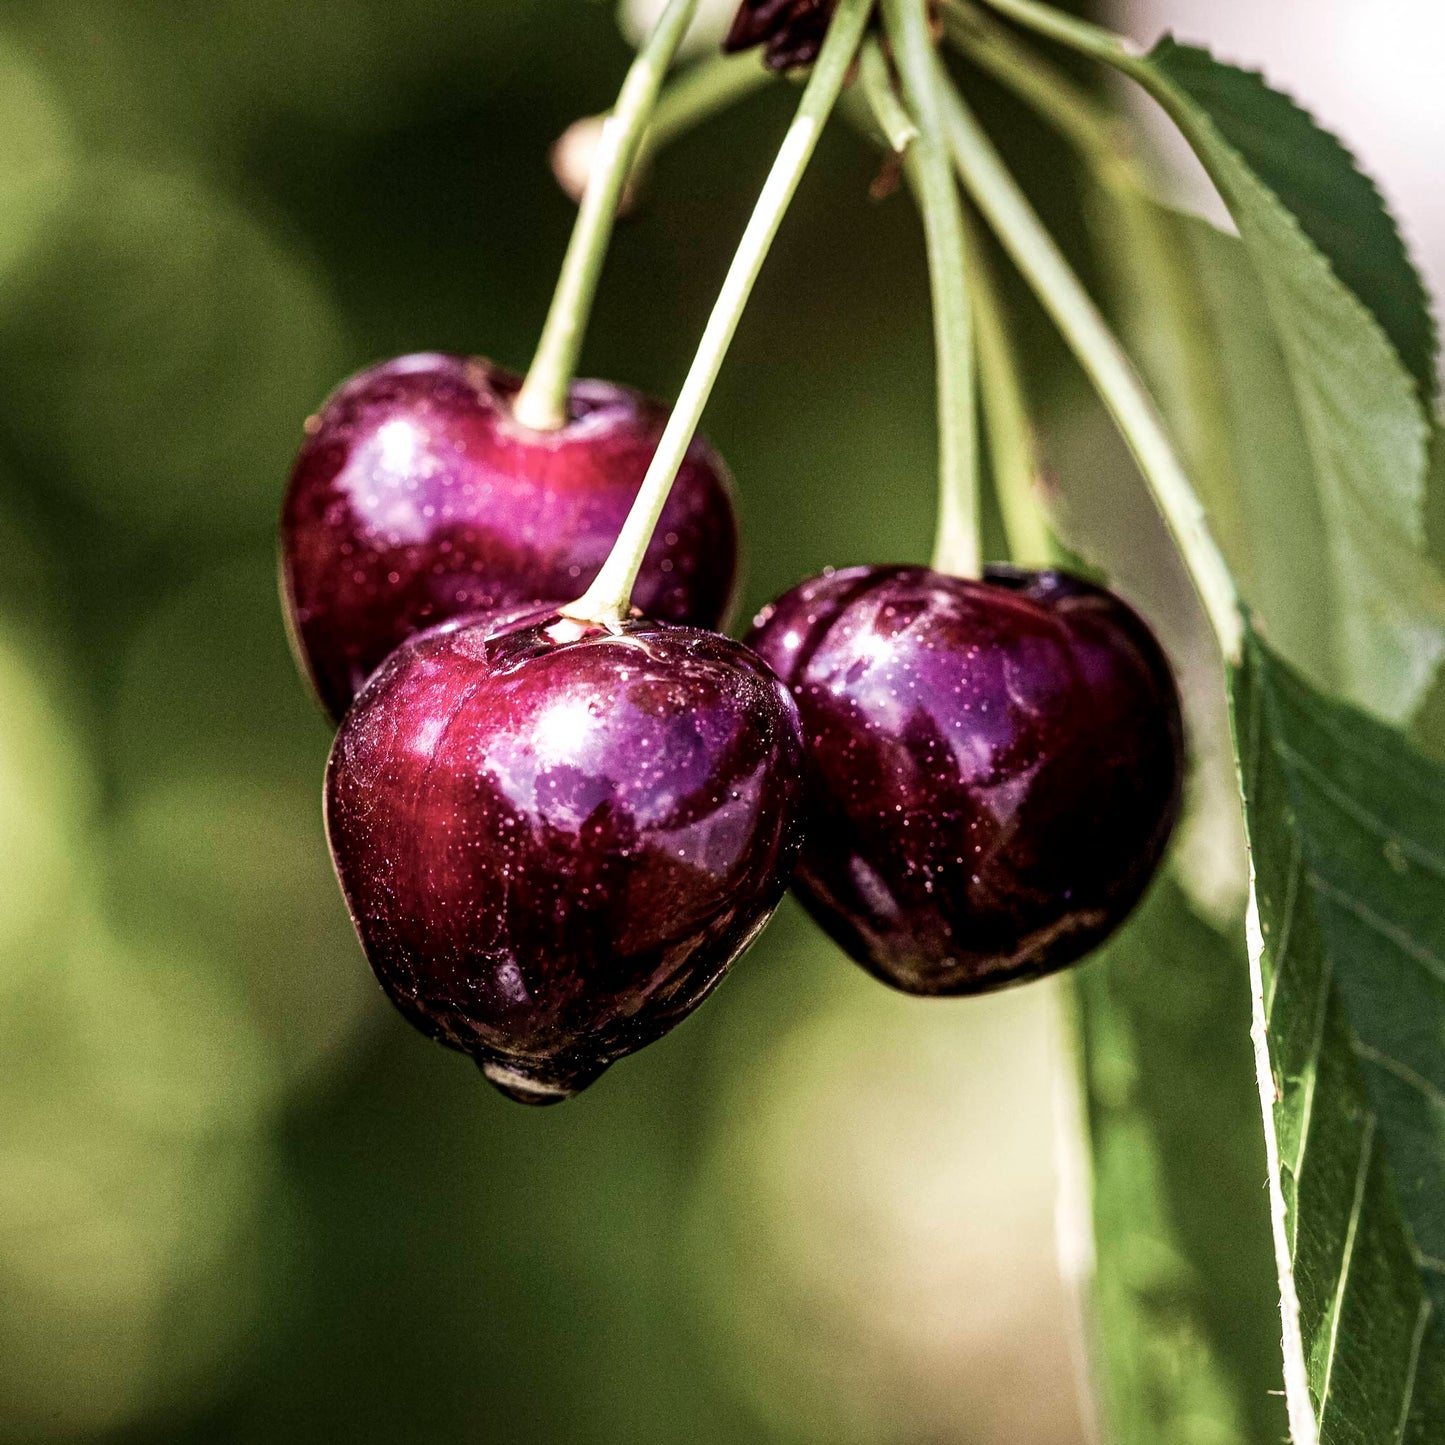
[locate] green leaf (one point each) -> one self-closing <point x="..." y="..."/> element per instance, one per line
<point x="1347" y="835"/>
<point x="1356" y="406"/>
<point x="1206" y="338"/>
<point x="1184" y="1285"/>
<point x="1435" y="496"/>
<point x="1319" y="182"/>
<point x="1197" y="320"/>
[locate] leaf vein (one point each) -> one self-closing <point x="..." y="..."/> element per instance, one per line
<point x="1315" y="775"/>
<point x="1353" y="744"/>
<point x="1317" y="1043"/>
<point x="1406" y="1075"/>
<point x="1428" y="960"/>
<point x="1419" y="1339"/>
<point x="1357" y="1208"/>
<point x="1286" y="926"/>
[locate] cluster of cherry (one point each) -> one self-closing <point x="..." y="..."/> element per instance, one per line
<point x="556" y="832"/>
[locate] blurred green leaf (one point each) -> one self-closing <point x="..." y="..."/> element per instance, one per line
<point x="1347" y="830"/>
<point x="849" y="1246"/>
<point x="1358" y="405"/>
<point x="47" y="793"/>
<point x="207" y="685"/>
<point x="235" y="875"/>
<point x="1185" y="1293"/>
<point x="160" y="355"/>
<point x="37" y="159"/>
<point x="1220" y="362"/>
<point x="140" y="1234"/>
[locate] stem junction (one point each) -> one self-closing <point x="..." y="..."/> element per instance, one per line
<point x="607" y="600"/>
<point x="956" y="543"/>
<point x="542" y="402"/>
<point x="1105" y="362"/>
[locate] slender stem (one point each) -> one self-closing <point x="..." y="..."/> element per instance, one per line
<point x="606" y="601"/>
<point x="1086" y="121"/>
<point x="701" y="92"/>
<point x="1150" y="274"/>
<point x="1103" y="359"/>
<point x="956" y="545"/>
<point x="1080" y="34"/>
<point x="542" y="401"/>
<point x="1012" y="444"/>
<point x="877" y="85"/>
<point x="698" y="94"/>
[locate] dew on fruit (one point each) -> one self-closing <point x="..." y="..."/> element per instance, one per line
<point x="487" y="783"/>
<point x="918" y="737"/>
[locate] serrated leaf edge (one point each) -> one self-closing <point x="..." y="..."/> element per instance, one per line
<point x="1187" y="115"/>
<point x="1193" y="123"/>
<point x="1257" y="73"/>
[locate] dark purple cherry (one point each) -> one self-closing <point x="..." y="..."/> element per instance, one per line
<point x="416" y="497"/>
<point x="554" y="840"/>
<point x="790" y="31"/>
<point x="994" y="767"/>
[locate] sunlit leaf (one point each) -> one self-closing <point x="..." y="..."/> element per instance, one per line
<point x="1359" y="407"/>
<point x="1347" y="831"/>
<point x="1319" y="182"/>
<point x="1223" y="373"/>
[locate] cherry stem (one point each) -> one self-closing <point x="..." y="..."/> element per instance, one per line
<point x="1080" y="34"/>
<point x="542" y="402"/>
<point x="876" y="81"/>
<point x="699" y="93"/>
<point x="607" y="600"/>
<point x="956" y="546"/>
<point x="1103" y="360"/>
<point x="1083" y="119"/>
<point x="1012" y="442"/>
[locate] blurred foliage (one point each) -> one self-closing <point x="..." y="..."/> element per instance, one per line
<point x="1188" y="1312"/>
<point x="239" y="1201"/>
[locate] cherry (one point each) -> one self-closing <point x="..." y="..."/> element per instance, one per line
<point x="417" y="497"/>
<point x="555" y="839"/>
<point x="994" y="767"/>
<point x="790" y="31"/>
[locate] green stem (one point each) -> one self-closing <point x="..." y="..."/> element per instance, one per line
<point x="1150" y="274"/>
<point x="542" y="401"/>
<point x="876" y="82"/>
<point x="1012" y="444"/>
<point x="1080" y="34"/>
<point x="1103" y="359"/>
<point x="701" y="92"/>
<point x="956" y="544"/>
<point x="1087" y="123"/>
<point x="607" y="600"/>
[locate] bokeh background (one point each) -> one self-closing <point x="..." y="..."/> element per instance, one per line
<point x="240" y="1201"/>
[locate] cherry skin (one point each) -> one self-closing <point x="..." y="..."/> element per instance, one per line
<point x="995" y="767"/>
<point x="555" y="840"/>
<point x="417" y="497"/>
